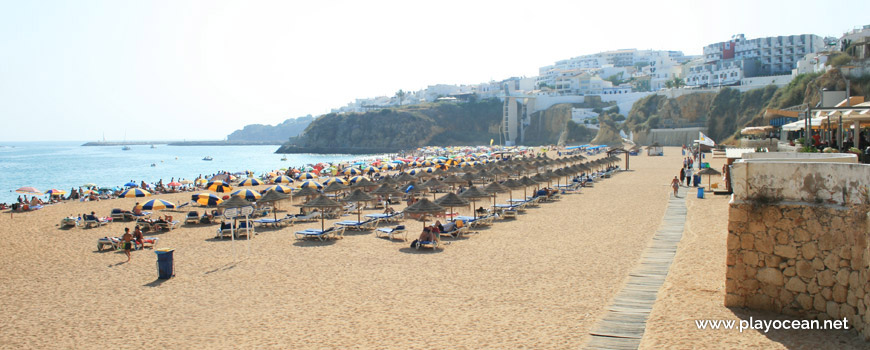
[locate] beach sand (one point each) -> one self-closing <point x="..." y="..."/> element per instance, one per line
<point x="541" y="281"/>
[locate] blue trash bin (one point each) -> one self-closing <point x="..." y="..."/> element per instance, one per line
<point x="701" y="192"/>
<point x="696" y="180"/>
<point x="165" y="263"/>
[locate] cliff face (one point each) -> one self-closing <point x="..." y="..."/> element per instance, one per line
<point x="390" y="130"/>
<point x="264" y="133"/>
<point x="547" y="126"/>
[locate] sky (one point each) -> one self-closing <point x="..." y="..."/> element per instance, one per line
<point x="198" y="70"/>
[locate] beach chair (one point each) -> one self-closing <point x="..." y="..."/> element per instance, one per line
<point x="165" y="226"/>
<point x="307" y="218"/>
<point x="69" y="222"/>
<point x="314" y="233"/>
<point x="243" y="226"/>
<point x="509" y="214"/>
<point x="369" y="225"/>
<point x="113" y="242"/>
<point x="118" y="214"/>
<point x="148" y="242"/>
<point x="93" y="221"/>
<point x="224" y="229"/>
<point x="192" y="217"/>
<point x="428" y="244"/>
<point x="392" y="232"/>
<point x="145" y="225"/>
<point x="456" y="231"/>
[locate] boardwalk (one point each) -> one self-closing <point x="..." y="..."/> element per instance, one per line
<point x="623" y="324"/>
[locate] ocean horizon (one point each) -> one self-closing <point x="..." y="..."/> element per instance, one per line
<point x="65" y="165"/>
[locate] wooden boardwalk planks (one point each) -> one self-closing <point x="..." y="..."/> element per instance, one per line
<point x="623" y="324"/>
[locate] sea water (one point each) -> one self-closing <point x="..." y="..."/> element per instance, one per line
<point x="66" y="165"/>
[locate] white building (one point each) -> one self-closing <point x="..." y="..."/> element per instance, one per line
<point x="720" y="73"/>
<point x="593" y="63"/>
<point x="776" y="54"/>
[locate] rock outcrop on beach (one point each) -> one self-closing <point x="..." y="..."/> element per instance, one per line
<point x="265" y="133"/>
<point x="394" y="129"/>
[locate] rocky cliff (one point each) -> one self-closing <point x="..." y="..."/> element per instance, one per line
<point x="390" y="130"/>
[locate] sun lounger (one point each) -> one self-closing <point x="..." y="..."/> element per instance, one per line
<point x="392" y="232"/>
<point x="118" y="214"/>
<point x="367" y="225"/>
<point x="69" y="222"/>
<point x="428" y="244"/>
<point x="455" y="232"/>
<point x="93" y="221"/>
<point x="335" y="232"/>
<point x="113" y="242"/>
<point x="307" y="218"/>
<point x="224" y="229"/>
<point x="192" y="217"/>
<point x="166" y="226"/>
<point x="267" y="222"/>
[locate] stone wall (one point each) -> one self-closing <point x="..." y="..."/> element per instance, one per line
<point x="798" y="238"/>
<point x="801" y="260"/>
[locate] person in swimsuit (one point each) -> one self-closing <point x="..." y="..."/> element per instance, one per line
<point x="675" y="183"/>
<point x="127" y="240"/>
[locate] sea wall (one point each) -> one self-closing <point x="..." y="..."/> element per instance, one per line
<point x="798" y="240"/>
<point x="668" y="137"/>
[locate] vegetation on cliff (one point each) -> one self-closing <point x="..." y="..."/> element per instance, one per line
<point x="264" y="133"/>
<point x="438" y="124"/>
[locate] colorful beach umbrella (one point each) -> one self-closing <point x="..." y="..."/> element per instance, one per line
<point x="218" y="186"/>
<point x="174" y="184"/>
<point x="247" y="194"/>
<point x="157" y="204"/>
<point x="201" y="181"/>
<point x="427" y="163"/>
<point x="89" y="185"/>
<point x="306" y="176"/>
<point x="352" y="171"/>
<point x="283" y="180"/>
<point x="130" y="184"/>
<point x="186" y="182"/>
<point x="206" y="199"/>
<point x="279" y="189"/>
<point x="354" y="179"/>
<point x="55" y="192"/>
<point x="335" y="179"/>
<point x="250" y="182"/>
<point x="135" y="192"/>
<point x="311" y="184"/>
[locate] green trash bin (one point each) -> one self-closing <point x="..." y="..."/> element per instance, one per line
<point x="165" y="263"/>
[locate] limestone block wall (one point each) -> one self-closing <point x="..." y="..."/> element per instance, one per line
<point x="798" y="238"/>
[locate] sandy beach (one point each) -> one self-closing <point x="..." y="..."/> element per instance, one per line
<point x="541" y="281"/>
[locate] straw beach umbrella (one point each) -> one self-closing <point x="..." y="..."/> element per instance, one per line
<point x="473" y="193"/>
<point x="511" y="184"/>
<point x="433" y="184"/>
<point x="495" y="188"/>
<point x="273" y="197"/>
<point x="358" y="196"/>
<point x="423" y="207"/>
<point x="386" y="191"/>
<point x="322" y="203"/>
<point x="363" y="182"/>
<point x="451" y="200"/>
<point x="709" y="172"/>
<point x="306" y="192"/>
<point x="334" y="187"/>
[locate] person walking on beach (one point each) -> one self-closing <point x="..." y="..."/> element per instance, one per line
<point x="683" y="174"/>
<point x="127" y="240"/>
<point x="675" y="183"/>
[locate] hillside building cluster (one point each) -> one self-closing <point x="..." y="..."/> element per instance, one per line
<point x="626" y="75"/>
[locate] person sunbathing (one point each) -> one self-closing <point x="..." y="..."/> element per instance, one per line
<point x="137" y="209"/>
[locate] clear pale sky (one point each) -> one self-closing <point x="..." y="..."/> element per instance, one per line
<point x="197" y="70"/>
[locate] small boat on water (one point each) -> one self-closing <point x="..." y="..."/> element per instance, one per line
<point x="284" y="159"/>
<point x="153" y="165"/>
<point x="126" y="148"/>
<point x="152" y="146"/>
<point x="207" y="158"/>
